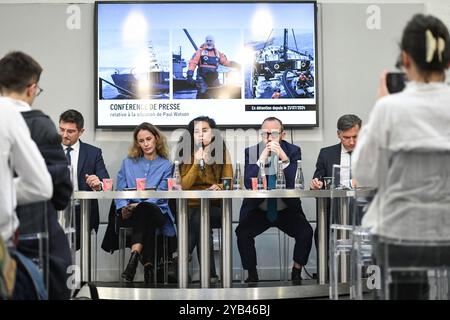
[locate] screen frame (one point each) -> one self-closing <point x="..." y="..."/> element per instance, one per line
<point x="317" y="67"/>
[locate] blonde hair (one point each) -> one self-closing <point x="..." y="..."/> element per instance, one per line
<point x="161" y="142"/>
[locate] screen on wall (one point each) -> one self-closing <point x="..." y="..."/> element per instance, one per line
<point x="239" y="63"/>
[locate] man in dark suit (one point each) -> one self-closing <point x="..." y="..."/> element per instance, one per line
<point x="87" y="163"/>
<point x="258" y="215"/>
<point x="348" y="127"/>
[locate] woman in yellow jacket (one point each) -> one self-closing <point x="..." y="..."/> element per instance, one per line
<point x="203" y="169"/>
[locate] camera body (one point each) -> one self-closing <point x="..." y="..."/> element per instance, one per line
<point x="395" y="81"/>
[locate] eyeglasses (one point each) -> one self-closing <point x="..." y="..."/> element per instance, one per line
<point x="38" y="90"/>
<point x="274" y="134"/>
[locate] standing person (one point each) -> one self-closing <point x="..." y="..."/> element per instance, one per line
<point x="348" y="127"/>
<point x="87" y="164"/>
<point x="207" y="58"/>
<point x="209" y="163"/>
<point x="147" y="158"/>
<point x="404" y="152"/>
<point x="23" y="172"/>
<point x="18" y="69"/>
<point x="259" y="214"/>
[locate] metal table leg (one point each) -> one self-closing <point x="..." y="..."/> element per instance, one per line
<point x="344" y="258"/>
<point x="227" y="244"/>
<point x="322" y="254"/>
<point x="182" y="220"/>
<point x="85" y="247"/>
<point x="205" y="233"/>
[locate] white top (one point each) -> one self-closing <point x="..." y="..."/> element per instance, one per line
<point x="74" y="155"/>
<point x="19" y="154"/>
<point x="400" y="152"/>
<point x="344" y="172"/>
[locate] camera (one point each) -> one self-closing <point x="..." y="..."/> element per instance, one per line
<point x="395" y="81"/>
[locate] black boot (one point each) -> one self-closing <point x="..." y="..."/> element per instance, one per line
<point x="130" y="270"/>
<point x="252" y="276"/>
<point x="148" y="274"/>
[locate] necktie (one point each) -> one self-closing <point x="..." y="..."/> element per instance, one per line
<point x="69" y="160"/>
<point x="350" y="163"/>
<point x="271" y="202"/>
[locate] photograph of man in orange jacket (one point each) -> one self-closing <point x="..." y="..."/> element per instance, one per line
<point x="207" y="58"/>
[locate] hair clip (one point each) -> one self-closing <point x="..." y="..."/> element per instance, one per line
<point x="433" y="44"/>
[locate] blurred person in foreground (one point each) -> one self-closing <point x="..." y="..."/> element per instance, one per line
<point x="403" y="151"/>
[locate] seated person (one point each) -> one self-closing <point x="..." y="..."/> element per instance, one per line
<point x="204" y="169"/>
<point x="147" y="158"/>
<point x="259" y="214"/>
<point x="348" y="127"/>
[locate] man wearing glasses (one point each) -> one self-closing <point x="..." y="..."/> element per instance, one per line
<point x="19" y="81"/>
<point x="88" y="167"/>
<point x="348" y="127"/>
<point x="259" y="214"/>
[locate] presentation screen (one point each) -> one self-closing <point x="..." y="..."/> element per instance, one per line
<point x="236" y="62"/>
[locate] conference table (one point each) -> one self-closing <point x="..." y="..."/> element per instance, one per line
<point x="205" y="197"/>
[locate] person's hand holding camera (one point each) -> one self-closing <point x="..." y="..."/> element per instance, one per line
<point x="382" y="86"/>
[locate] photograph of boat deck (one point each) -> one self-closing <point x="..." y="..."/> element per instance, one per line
<point x="283" y="65"/>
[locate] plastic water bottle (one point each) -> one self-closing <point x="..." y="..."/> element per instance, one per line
<point x="237" y="179"/>
<point x="299" y="180"/>
<point x="281" y="180"/>
<point x="177" y="176"/>
<point x="262" y="182"/>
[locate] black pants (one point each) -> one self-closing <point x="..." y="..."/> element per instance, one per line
<point x="215" y="221"/>
<point x="408" y="285"/>
<point x="145" y="220"/>
<point x="294" y="224"/>
<point x="93" y="223"/>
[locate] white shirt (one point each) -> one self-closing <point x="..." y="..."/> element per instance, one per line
<point x="344" y="173"/>
<point x="19" y="154"/>
<point x="74" y="155"/>
<point x="406" y="205"/>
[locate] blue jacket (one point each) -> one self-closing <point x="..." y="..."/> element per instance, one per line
<point x="251" y="170"/>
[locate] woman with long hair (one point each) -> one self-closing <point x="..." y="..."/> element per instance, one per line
<point x="147" y="158"/>
<point x="204" y="167"/>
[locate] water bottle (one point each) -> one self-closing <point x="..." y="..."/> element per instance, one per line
<point x="177" y="176"/>
<point x="237" y="179"/>
<point x="299" y="180"/>
<point x="262" y="182"/>
<point x="281" y="180"/>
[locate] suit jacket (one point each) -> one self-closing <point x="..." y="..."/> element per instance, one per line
<point x="251" y="170"/>
<point x="90" y="161"/>
<point x="328" y="157"/>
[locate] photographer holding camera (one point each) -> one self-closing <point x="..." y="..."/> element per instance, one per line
<point x="403" y="151"/>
